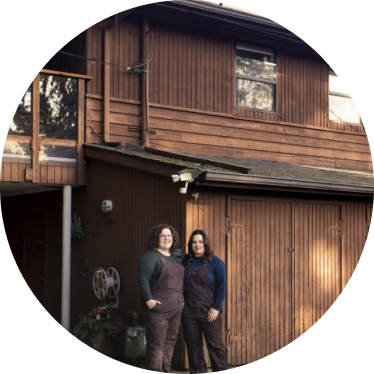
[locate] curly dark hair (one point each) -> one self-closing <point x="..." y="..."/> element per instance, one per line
<point x="208" y="253"/>
<point x="154" y="236"/>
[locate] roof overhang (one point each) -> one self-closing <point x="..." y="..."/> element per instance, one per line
<point x="234" y="173"/>
<point x="240" y="19"/>
<point x="283" y="184"/>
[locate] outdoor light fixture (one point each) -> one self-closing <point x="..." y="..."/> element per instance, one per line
<point x="186" y="176"/>
<point x="175" y="178"/>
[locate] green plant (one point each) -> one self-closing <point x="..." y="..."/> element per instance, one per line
<point x="99" y="319"/>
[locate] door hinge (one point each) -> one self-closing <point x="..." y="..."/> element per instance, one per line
<point x="337" y="228"/>
<point x="228" y="225"/>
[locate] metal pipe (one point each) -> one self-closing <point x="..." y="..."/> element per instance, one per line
<point x="66" y="257"/>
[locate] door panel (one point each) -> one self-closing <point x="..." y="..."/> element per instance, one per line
<point x="259" y="271"/>
<point x="316" y="263"/>
<point x="284" y="272"/>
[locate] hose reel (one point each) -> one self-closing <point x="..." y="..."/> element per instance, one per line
<point x="106" y="285"/>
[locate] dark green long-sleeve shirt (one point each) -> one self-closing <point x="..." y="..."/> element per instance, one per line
<point x="150" y="267"/>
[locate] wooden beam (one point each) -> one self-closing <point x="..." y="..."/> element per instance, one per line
<point x="80" y="137"/>
<point x="106" y="98"/>
<point x="64" y="74"/>
<point x="145" y="79"/>
<point x="35" y="130"/>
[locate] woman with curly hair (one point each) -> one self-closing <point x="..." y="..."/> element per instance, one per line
<point x="204" y="293"/>
<point x="160" y="278"/>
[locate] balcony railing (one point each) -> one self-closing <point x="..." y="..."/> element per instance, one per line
<point x="47" y="131"/>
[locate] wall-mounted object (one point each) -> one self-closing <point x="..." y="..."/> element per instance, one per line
<point x="107" y="206"/>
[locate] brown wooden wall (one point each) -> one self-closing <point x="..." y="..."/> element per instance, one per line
<point x="192" y="89"/>
<point x="125" y="50"/>
<point x="178" y="130"/>
<point x="14" y="170"/>
<point x="118" y="239"/>
<point x="287" y="262"/>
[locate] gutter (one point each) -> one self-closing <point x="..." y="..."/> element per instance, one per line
<point x="235" y="16"/>
<point x="214" y="176"/>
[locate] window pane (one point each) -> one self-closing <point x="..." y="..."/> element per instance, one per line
<point x="17" y="149"/>
<point x="22" y="120"/>
<point x="343" y="109"/>
<point x="255" y="95"/>
<point x="255" y="65"/>
<point x="58" y="107"/>
<point x="57" y="153"/>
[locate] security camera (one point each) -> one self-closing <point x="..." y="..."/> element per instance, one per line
<point x="175" y="178"/>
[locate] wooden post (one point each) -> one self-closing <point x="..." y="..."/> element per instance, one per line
<point x="80" y="137"/>
<point x="35" y="130"/>
<point x="145" y="90"/>
<point x="106" y="96"/>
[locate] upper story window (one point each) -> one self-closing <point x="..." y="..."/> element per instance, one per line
<point x="341" y="106"/>
<point x="22" y="120"/>
<point x="58" y="107"/>
<point x="256" y="77"/>
<point x="56" y="116"/>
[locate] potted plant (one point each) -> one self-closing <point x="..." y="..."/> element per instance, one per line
<point x="101" y="330"/>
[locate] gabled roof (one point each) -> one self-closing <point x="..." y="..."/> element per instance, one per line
<point x="241" y="19"/>
<point x="238" y="173"/>
<point x="206" y="13"/>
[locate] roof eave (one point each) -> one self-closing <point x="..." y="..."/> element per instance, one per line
<point x="240" y="179"/>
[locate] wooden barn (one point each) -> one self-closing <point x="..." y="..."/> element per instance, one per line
<point x="279" y="168"/>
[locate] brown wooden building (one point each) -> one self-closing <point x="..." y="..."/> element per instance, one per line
<point x="281" y="167"/>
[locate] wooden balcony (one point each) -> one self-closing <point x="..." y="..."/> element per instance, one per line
<point x="48" y="149"/>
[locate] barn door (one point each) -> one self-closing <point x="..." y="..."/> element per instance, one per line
<point x="284" y="272"/>
<point x="316" y="262"/>
<point x="259" y="278"/>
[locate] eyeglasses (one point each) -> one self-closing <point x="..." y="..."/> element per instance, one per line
<point x="168" y="236"/>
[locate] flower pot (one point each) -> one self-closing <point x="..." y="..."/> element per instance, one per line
<point x="107" y="345"/>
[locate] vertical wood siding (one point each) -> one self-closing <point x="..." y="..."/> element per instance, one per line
<point x="208" y="213"/>
<point x="354" y="228"/>
<point x="192" y="100"/>
<point x="190" y="69"/>
<point x="14" y="170"/>
<point x="125" y="41"/>
<point x="316" y="263"/>
<point x="195" y="69"/>
<point x="287" y="262"/>
<point x="259" y="289"/>
<point x="119" y="238"/>
<point x="302" y="89"/>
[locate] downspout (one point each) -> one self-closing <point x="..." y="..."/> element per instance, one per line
<point x="145" y="81"/>
<point x="66" y="258"/>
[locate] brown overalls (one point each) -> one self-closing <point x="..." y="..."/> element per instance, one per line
<point x="163" y="320"/>
<point x="199" y="298"/>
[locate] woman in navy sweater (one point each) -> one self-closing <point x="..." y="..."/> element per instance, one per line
<point x="204" y="293"/>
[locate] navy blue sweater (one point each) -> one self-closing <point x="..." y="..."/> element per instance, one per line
<point x="217" y="276"/>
